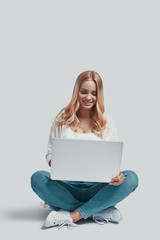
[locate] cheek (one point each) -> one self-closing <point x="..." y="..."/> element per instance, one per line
<point x="95" y="99"/>
<point x="80" y="96"/>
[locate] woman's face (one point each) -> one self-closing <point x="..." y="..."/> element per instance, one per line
<point x="88" y="94"/>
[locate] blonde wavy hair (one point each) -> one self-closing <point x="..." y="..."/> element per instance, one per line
<point x="68" y="115"/>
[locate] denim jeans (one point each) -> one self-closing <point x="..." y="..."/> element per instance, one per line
<point x="87" y="197"/>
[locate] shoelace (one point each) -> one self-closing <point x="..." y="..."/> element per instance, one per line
<point x="61" y="222"/>
<point x="69" y="225"/>
<point x="102" y="219"/>
<point x="101" y="222"/>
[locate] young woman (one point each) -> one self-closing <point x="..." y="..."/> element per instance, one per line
<point x="83" y="118"/>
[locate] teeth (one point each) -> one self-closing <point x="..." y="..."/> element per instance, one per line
<point x="87" y="102"/>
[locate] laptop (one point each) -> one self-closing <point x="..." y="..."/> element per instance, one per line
<point x="85" y="160"/>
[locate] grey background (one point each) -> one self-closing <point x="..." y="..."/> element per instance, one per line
<point x="44" y="46"/>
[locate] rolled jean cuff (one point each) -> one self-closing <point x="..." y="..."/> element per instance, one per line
<point x="82" y="213"/>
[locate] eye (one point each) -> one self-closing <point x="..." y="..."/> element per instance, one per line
<point x="93" y="93"/>
<point x="83" y="92"/>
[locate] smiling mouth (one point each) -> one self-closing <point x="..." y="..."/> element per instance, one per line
<point x="87" y="102"/>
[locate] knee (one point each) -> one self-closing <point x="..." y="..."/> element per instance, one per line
<point x="37" y="178"/>
<point x="131" y="179"/>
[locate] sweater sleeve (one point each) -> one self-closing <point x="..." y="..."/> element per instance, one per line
<point x="51" y="135"/>
<point x="111" y="133"/>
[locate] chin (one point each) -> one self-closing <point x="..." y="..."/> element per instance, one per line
<point x="87" y="107"/>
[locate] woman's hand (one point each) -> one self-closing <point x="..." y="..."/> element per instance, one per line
<point x="116" y="181"/>
<point x="49" y="163"/>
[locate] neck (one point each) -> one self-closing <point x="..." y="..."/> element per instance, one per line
<point x="84" y="114"/>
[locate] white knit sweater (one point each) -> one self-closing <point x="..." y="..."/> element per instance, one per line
<point x="110" y="134"/>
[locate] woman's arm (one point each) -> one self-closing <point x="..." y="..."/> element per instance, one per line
<point x="111" y="133"/>
<point x="49" y="147"/>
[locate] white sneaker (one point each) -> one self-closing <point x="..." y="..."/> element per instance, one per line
<point x="59" y="218"/>
<point x="110" y="214"/>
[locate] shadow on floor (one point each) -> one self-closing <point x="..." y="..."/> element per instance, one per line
<point x="31" y="213"/>
<point x="25" y="213"/>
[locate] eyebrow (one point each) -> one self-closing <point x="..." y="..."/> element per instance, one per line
<point x="87" y="90"/>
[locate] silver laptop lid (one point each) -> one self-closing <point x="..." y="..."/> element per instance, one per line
<point x="85" y="160"/>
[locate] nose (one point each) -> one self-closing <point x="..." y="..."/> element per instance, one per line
<point x="88" y="97"/>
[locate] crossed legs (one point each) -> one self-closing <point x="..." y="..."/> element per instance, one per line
<point x="56" y="195"/>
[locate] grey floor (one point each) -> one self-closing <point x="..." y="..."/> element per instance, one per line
<point x="45" y="45"/>
<point x="24" y="220"/>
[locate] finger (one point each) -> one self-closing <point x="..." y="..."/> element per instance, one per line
<point x="120" y="181"/>
<point x="114" y="179"/>
<point x="123" y="179"/>
<point x="121" y="176"/>
<point x="117" y="177"/>
<point x="113" y="182"/>
<point x="117" y="182"/>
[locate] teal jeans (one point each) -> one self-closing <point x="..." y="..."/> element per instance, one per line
<point x="87" y="197"/>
